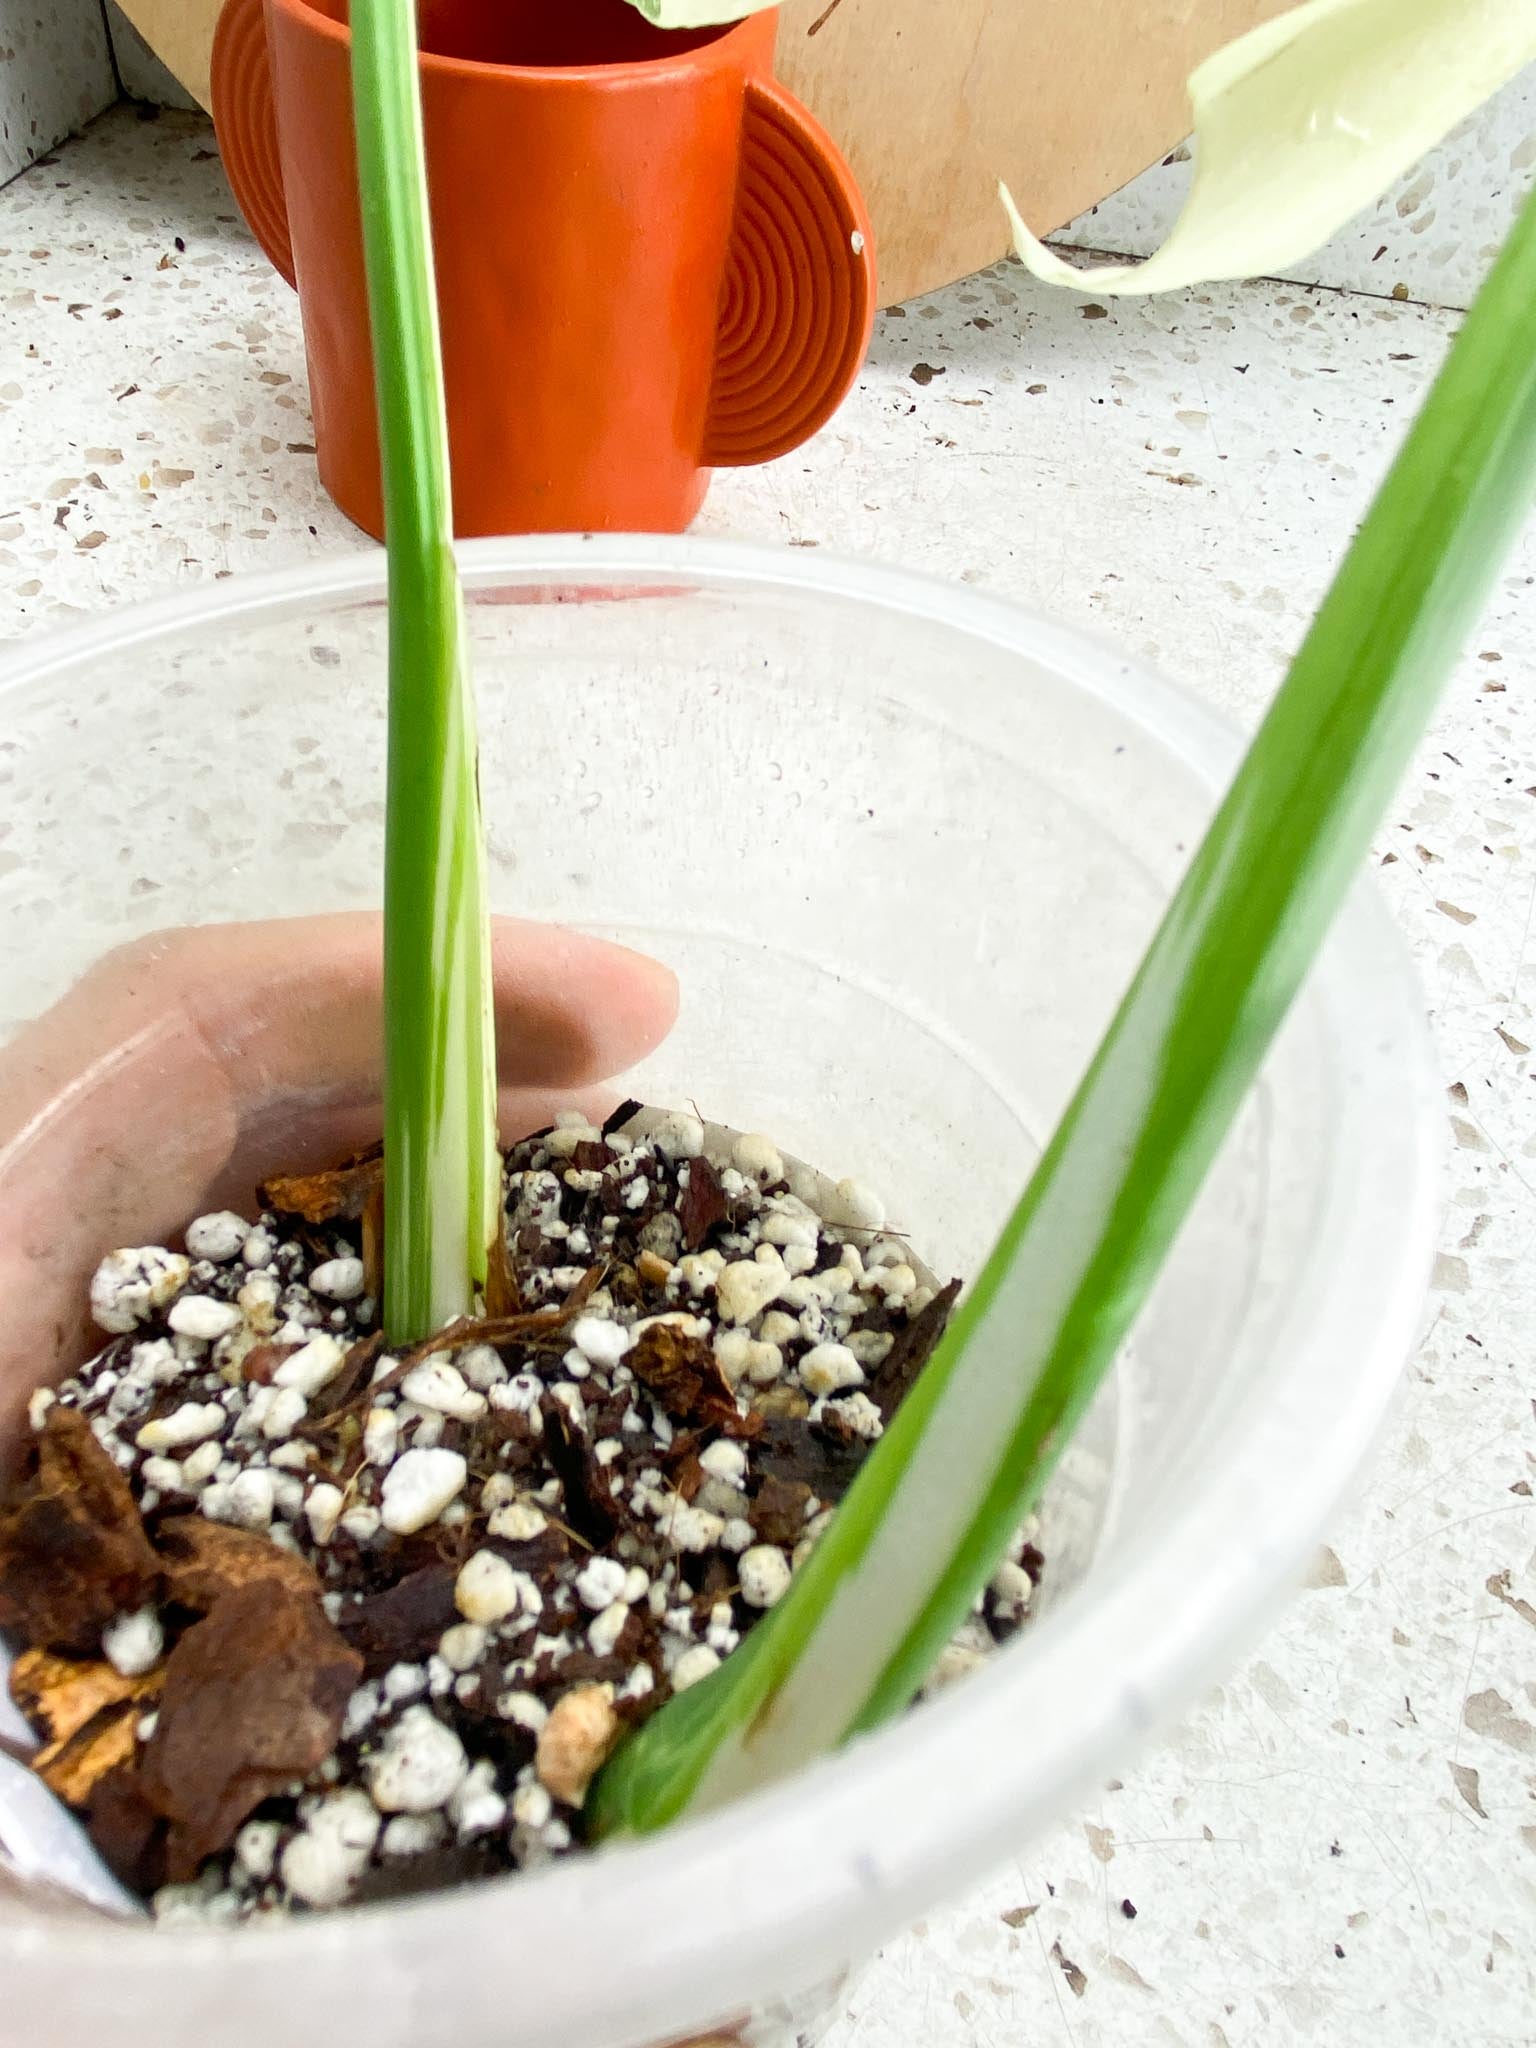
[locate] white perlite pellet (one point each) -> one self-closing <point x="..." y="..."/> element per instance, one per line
<point x="463" y="1645"/>
<point x="799" y="1227"/>
<point x="321" y="1865"/>
<point x="362" y="1708"/>
<point x="310" y="1368"/>
<point x="828" y="1368"/>
<point x="758" y="1156"/>
<point x="1012" y="1587"/>
<point x="251" y="1499"/>
<point x="217" y="1236"/>
<point x="338" y="1279"/>
<point x="870" y="1347"/>
<point x="482" y="1367"/>
<point x="419" y="1765"/>
<point x="693" y="1665"/>
<point x="488" y="1589"/>
<point x="418" y="1486"/>
<point x="519" y="1395"/>
<point x="256" y="1843"/>
<point x="381" y="1436"/>
<point x="858" y="1413"/>
<point x="900" y="1281"/>
<point x="443" y="1389"/>
<point x="678" y="1135"/>
<point x="605" y="1630"/>
<point x="403" y="1682"/>
<point x="532" y="1806"/>
<point x="132" y="1643"/>
<point x="188" y="1424"/>
<point x="258" y="1303"/>
<point x="322" y="1510"/>
<point x="475" y="1807"/>
<point x="129" y="1285"/>
<point x="284" y="1413"/>
<point x="764" y="1575"/>
<point x="200" y="1316"/>
<point x="519" y="1521"/>
<point x="257" y="1250"/>
<point x="725" y="1460"/>
<point x="600" y="1341"/>
<point x="199" y="1466"/>
<point x="600" y="1582"/>
<point x="746" y="1286"/>
<point x="689" y="1528"/>
<point x="412" y="1834"/>
<point x="526" y="1709"/>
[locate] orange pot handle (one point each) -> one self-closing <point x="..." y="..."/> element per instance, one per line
<point x="245" y="121"/>
<point x="798" y="304"/>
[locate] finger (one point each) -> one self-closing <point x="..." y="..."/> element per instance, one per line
<point x="185" y="1067"/>
<point x="294" y="1005"/>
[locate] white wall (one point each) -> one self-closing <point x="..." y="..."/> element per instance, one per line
<point x="55" y="74"/>
<point x="144" y="76"/>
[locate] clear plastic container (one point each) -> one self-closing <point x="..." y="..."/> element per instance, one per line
<point x="903" y="845"/>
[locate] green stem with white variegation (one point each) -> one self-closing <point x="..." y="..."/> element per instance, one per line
<point x="441" y="1168"/>
<point x="935" y="1504"/>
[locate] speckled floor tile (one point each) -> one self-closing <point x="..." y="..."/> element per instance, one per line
<point x="1340" y="1844"/>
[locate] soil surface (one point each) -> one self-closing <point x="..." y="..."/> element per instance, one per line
<point x="309" y="1622"/>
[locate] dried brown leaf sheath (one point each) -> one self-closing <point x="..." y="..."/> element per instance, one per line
<point x="254" y="1698"/>
<point x="341" y="1193"/>
<point x="684" y="1375"/>
<point x="73" y="1552"/>
<point x="59" y="1695"/>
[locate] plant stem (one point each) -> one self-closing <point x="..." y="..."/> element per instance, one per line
<point x="441" y="1166"/>
<point x="934" y="1506"/>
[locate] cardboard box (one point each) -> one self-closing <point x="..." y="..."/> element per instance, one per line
<point x="935" y="100"/>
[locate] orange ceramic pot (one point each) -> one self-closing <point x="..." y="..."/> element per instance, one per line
<point x="650" y="259"/>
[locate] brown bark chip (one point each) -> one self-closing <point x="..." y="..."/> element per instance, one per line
<point x="72" y="1769"/>
<point x="127" y="1832"/>
<point x="685" y="1377"/>
<point x="254" y="1698"/>
<point x="402" y="1624"/>
<point x="915" y="1341"/>
<point x="59" y="1695"/>
<point x="778" y="1514"/>
<point x="341" y="1193"/>
<point x="702" y="1204"/>
<point x="205" y="1561"/>
<point x="73" y="1552"/>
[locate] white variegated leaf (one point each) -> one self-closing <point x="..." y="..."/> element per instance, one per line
<point x="1306" y="120"/>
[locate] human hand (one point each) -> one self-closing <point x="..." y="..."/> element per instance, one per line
<point x="187" y="1066"/>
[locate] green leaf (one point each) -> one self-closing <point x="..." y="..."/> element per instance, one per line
<point x="933" y="1508"/>
<point x="442" y="1172"/>
<point x="698" y="13"/>
<point x="1305" y="121"/>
